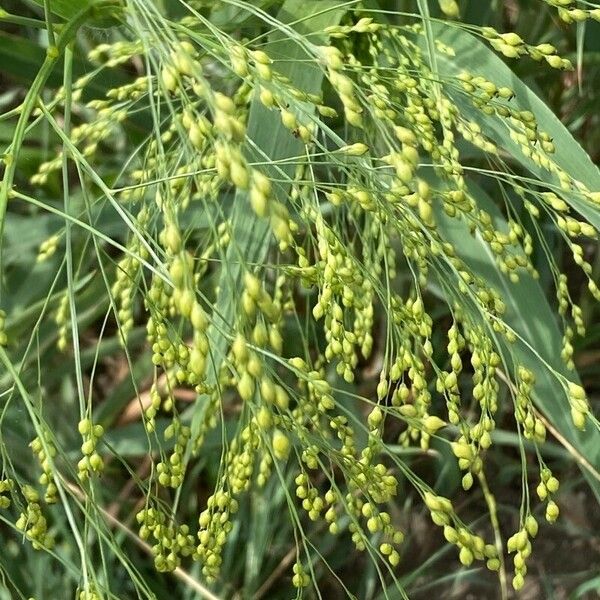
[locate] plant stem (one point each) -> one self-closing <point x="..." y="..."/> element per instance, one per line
<point x="49" y="27"/>
<point x="491" y="504"/>
<point x="12" y="157"/>
<point x="67" y="84"/>
<point x="53" y="53"/>
<point x="180" y="573"/>
<point x="5" y="360"/>
<point x="6" y="17"/>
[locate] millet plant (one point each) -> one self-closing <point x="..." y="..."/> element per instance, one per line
<point x="264" y="262"/>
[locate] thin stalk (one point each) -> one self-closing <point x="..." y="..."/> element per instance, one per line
<point x="49" y="27"/>
<point x="493" y="511"/>
<point x="5" y="360"/>
<point x="95" y="232"/>
<point x="574" y="452"/>
<point x="68" y="87"/>
<point x="180" y="573"/>
<point x="6" y="17"/>
<point x="11" y="158"/>
<point x="53" y="53"/>
<point x="106" y="191"/>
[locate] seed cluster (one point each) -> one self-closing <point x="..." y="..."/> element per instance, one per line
<point x="520" y="544"/>
<point x="91" y="462"/>
<point x="6" y="486"/>
<point x="172" y="542"/>
<point x="47" y="477"/>
<point x="32" y="522"/>
<point x="471" y="547"/>
<point x="354" y="235"/>
<point x="570" y="12"/>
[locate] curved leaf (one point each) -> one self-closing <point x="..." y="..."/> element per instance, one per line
<point x="68" y="9"/>
<point x="271" y="143"/>
<point x="529" y="314"/>
<point x="475" y="57"/>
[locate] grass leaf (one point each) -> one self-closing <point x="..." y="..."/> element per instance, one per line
<point x="273" y="142"/>
<point x="531" y="317"/>
<point x="473" y="56"/>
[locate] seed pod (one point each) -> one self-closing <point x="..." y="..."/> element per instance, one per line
<point x="264" y="418"/>
<point x="239" y="174"/>
<point x="552" y="511"/>
<point x="518" y="581"/>
<point x="578" y="418"/>
<point x="552" y="485"/>
<point x="375" y="417"/>
<point x="275" y="339"/>
<point x="260" y="57"/>
<point x="333" y="57"/>
<point x="281" y="445"/>
<point x="239" y="349"/>
<point x="197" y="362"/>
<point x="408" y="411"/>
<point x="288" y="119"/>
<point x="169" y="78"/>
<point x="531" y="526"/>
<point x="183" y="62"/>
<point x="450" y="534"/>
<point x="238" y="61"/>
<point x="357" y="149"/>
<point x="353" y="117"/>
<point x="267" y="390"/>
<point x="266" y="97"/>
<point x="554" y="61"/>
<point x="520" y="539"/>
<point x="196" y="136"/>
<point x="465" y="556"/>
<point x="576" y="391"/>
<point x="508" y="50"/>
<point x="467" y="481"/>
<point x="255" y="365"/>
<point x="246" y="386"/>
<point x="259" y="202"/>
<point x="449" y="8"/>
<point x="87" y="447"/>
<point x="433" y="502"/>
<point x="404" y="135"/>
<point x="186" y="303"/>
<point x="281" y="398"/>
<point x="198" y="318"/>
<point x="382" y="389"/>
<point x="84" y="426"/>
<point x="433" y="423"/>
<point x="172" y="239"/>
<point x="462" y="450"/>
<point x="365" y="25"/>
<point x="96" y="462"/>
<point x="253" y="285"/>
<point x="541" y="491"/>
<point x="512" y="39"/>
<point x="493" y="564"/>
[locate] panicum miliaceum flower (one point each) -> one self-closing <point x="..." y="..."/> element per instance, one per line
<point x="297" y="203"/>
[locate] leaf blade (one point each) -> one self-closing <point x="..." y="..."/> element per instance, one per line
<point x="475" y="57"/>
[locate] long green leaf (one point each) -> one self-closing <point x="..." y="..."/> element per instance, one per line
<point x="473" y="56"/>
<point x="531" y="317"/>
<point x="540" y="339"/>
<point x="68" y="9"/>
<point x="270" y="142"/>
